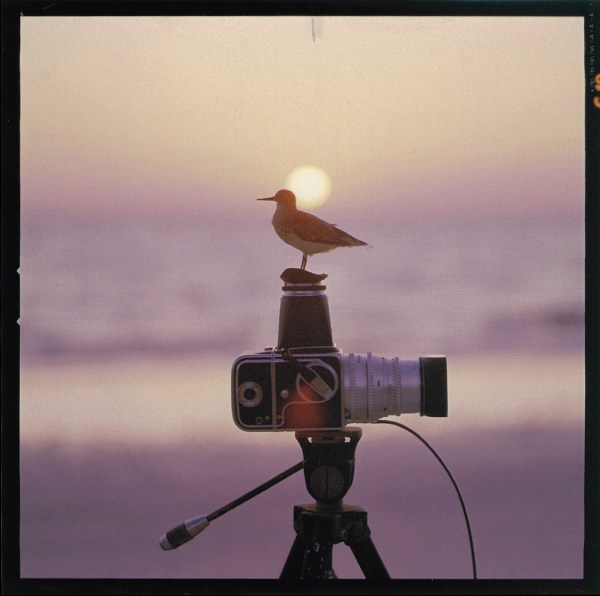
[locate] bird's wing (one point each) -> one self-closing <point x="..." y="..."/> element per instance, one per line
<point x="310" y="228"/>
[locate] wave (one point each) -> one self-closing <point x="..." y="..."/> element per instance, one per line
<point x="161" y="289"/>
<point x="46" y="347"/>
<point x="551" y="328"/>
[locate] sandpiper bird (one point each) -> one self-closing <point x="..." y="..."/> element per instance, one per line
<point x="306" y="232"/>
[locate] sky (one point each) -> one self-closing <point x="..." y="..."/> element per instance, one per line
<point x="200" y="115"/>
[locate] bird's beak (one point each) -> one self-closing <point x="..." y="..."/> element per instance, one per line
<point x="267" y="199"/>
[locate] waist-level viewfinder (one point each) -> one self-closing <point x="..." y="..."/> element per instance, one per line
<point x="306" y="383"/>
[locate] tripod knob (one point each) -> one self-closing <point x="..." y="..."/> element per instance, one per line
<point x="327" y="484"/>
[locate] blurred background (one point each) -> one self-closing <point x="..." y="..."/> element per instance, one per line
<point x="453" y="146"/>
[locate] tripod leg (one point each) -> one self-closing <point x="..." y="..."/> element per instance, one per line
<point x="368" y="559"/>
<point x="318" y="558"/>
<point x="292" y="568"/>
<point x="308" y="561"/>
<point x="311" y="554"/>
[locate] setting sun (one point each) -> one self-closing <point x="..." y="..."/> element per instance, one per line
<point x="310" y="184"/>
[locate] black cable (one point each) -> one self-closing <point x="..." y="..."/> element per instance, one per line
<point x="462" y="503"/>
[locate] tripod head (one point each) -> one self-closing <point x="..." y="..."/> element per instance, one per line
<point x="329" y="462"/>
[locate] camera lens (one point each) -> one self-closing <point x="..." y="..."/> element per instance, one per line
<point x="376" y="387"/>
<point x="435" y="386"/>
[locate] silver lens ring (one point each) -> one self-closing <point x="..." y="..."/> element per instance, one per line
<point x="370" y="392"/>
<point x="352" y="385"/>
<point x="397" y="386"/>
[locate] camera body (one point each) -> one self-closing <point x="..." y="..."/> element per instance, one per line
<point x="288" y="390"/>
<point x="306" y="383"/>
<point x="323" y="389"/>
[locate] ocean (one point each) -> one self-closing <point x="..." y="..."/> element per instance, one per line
<point x="103" y="288"/>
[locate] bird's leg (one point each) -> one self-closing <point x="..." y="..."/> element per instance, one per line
<point x="304" y="259"/>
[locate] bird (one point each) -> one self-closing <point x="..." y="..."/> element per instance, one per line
<point x="304" y="231"/>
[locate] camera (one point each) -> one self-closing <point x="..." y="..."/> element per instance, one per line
<point x="306" y="383"/>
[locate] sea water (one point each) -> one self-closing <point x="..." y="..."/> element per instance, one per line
<point x="111" y="288"/>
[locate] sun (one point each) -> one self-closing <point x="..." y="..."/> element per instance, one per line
<point x="310" y="184"/>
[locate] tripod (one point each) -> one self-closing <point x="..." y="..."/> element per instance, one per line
<point x="328" y="473"/>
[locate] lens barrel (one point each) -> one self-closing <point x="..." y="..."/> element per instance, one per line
<point x="376" y="387"/>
